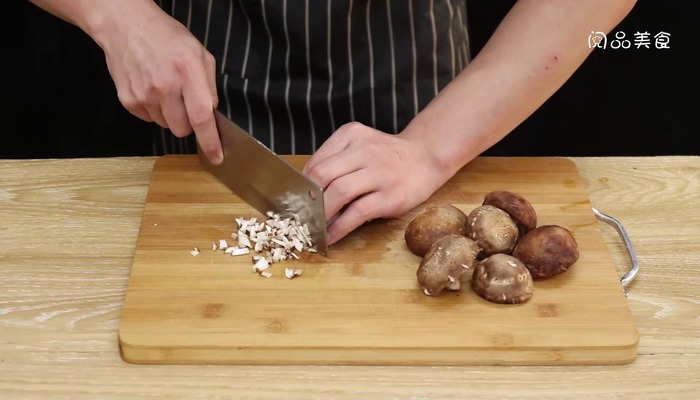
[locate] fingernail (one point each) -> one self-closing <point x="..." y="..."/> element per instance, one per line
<point x="218" y="159"/>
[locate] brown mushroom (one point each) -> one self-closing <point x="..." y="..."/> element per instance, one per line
<point x="547" y="250"/>
<point x="446" y="261"/>
<point x="433" y="223"/>
<point x="492" y="229"/>
<point x="517" y="206"/>
<point x="503" y="279"/>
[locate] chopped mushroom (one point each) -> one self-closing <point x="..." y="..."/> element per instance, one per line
<point x="261" y="265"/>
<point x="279" y="236"/>
<point x="292" y="273"/>
<point x="236" y="251"/>
<point x="243" y="240"/>
<point x="195" y="252"/>
<point x="273" y="240"/>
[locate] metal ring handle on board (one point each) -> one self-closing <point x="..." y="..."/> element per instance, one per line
<point x="634" y="270"/>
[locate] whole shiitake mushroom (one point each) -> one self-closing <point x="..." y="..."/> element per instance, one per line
<point x="433" y="223"/>
<point x="492" y="229"/>
<point x="547" y="250"/>
<point x="443" y="265"/>
<point x="517" y="206"/>
<point x="501" y="278"/>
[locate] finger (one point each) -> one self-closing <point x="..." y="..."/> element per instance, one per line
<point x="331" y="168"/>
<point x="129" y="102"/>
<point x="336" y="143"/>
<point x="346" y="189"/>
<point x="210" y="66"/>
<point x="140" y="112"/>
<point x="175" y="114"/>
<point x="131" y="93"/>
<point x="360" y="211"/>
<point x="200" y="111"/>
<point x="156" y="114"/>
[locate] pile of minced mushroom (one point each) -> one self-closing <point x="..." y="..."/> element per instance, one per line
<point x="274" y="240"/>
<point x="498" y="246"/>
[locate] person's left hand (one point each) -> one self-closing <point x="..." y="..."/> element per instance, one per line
<point x="369" y="174"/>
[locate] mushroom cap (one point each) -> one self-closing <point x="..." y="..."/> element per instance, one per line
<point x="547" y="250"/>
<point x="433" y="223"/>
<point x="517" y="206"/>
<point x="502" y="278"/>
<point x="492" y="229"/>
<point x="445" y="262"/>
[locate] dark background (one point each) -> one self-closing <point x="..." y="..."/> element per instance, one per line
<point x="60" y="100"/>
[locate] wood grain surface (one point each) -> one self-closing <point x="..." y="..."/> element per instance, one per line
<point x="362" y="304"/>
<point x="67" y="234"/>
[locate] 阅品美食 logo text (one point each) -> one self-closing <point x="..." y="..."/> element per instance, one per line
<point x="639" y="40"/>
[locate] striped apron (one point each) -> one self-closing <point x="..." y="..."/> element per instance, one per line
<point x="292" y="72"/>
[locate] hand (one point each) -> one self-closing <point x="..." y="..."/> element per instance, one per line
<point x="163" y="74"/>
<point x="373" y="175"/>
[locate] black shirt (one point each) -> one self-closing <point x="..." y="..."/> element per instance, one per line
<point x="292" y="72"/>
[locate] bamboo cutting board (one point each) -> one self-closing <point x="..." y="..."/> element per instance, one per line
<point x="362" y="304"/>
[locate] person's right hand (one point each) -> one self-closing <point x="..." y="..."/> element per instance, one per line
<point x="162" y="72"/>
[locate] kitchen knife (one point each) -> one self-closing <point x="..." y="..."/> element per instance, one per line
<point x="265" y="181"/>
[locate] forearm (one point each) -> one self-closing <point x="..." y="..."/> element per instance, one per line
<point x="537" y="47"/>
<point x="95" y="17"/>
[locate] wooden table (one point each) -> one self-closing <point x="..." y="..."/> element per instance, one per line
<point x="67" y="233"/>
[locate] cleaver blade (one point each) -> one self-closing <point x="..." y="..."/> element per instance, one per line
<point x="265" y="181"/>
